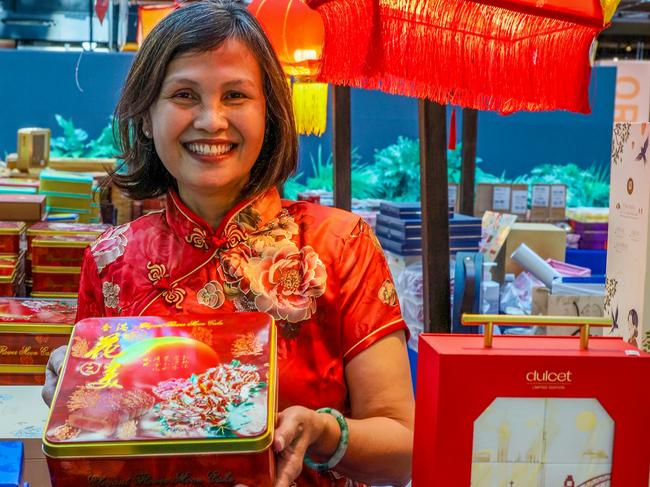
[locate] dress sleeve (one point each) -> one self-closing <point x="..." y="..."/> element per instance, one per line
<point x="90" y="302"/>
<point x="369" y="305"/>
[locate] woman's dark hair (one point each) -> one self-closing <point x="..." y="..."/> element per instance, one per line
<point x="196" y="27"/>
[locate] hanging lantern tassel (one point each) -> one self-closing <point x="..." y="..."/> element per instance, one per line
<point x="310" y="107"/>
<point x="452" y="130"/>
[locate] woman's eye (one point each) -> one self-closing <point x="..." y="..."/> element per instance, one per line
<point x="183" y="95"/>
<point x="235" y="95"/>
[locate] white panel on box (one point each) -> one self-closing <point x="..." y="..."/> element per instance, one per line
<point x="507" y="474"/>
<point x="510" y="430"/>
<point x="627" y="295"/>
<point x="560" y="475"/>
<point x="577" y="431"/>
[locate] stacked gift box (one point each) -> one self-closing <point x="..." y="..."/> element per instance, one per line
<point x="12" y="258"/>
<point x="31" y="329"/>
<point x="68" y="192"/>
<point x="399" y="229"/>
<point x="55" y="252"/>
<point x="591" y="224"/>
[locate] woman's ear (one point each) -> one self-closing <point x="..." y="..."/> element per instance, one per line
<point x="146" y="127"/>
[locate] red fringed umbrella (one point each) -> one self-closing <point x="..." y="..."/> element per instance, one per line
<point x="503" y="55"/>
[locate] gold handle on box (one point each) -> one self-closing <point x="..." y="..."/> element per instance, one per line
<point x="583" y="322"/>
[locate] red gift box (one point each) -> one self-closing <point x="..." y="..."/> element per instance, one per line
<point x="30" y="330"/>
<point x="530" y="411"/>
<point x="10" y="233"/>
<point x="60" y="250"/>
<point x="53" y="280"/>
<point x="161" y="401"/>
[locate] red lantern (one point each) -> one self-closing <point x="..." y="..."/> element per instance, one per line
<point x="297" y="35"/>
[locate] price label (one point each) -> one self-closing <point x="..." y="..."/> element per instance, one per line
<point x="452" y="193"/>
<point x="558" y="196"/>
<point x="541" y="196"/>
<point x="501" y="198"/>
<point x="519" y="201"/>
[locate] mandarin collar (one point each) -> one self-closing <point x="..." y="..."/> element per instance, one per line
<point x="248" y="216"/>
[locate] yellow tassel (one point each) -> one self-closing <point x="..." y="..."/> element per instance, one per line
<point x="310" y="107"/>
<point x="609" y="7"/>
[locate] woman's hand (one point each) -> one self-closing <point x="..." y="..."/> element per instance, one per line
<point x="52" y="370"/>
<point x="298" y="428"/>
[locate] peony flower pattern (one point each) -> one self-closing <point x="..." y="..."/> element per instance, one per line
<point x="211" y="295"/>
<point x="286" y="281"/>
<point x="110" y="246"/>
<point x="111" y="294"/>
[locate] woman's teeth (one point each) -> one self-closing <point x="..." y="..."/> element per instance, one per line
<point x="209" y="149"/>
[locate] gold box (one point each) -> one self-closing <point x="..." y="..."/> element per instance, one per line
<point x="33" y="148"/>
<point x="547" y="240"/>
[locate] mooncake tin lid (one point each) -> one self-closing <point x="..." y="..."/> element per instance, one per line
<point x="52" y="295"/>
<point x="55" y="270"/>
<point x="64" y="240"/>
<point x="25" y="315"/>
<point x="53" y="228"/>
<point x="11" y="228"/>
<point x="153" y="385"/>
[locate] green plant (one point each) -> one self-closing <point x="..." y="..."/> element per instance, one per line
<point x="364" y="179"/>
<point x="585" y="187"/>
<point x="74" y="141"/>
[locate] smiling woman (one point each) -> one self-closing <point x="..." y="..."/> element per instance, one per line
<point x="208" y="125"/>
<point x="206" y="118"/>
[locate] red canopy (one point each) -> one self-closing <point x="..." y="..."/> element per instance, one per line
<point x="504" y="55"/>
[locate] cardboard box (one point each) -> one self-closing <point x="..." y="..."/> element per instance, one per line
<point x="530" y="411"/>
<point x="540" y="202"/>
<point x="33" y="148"/>
<point x="453" y="195"/>
<point x="547" y="304"/>
<point x="22" y="207"/>
<point x="545" y="239"/>
<point x="519" y="200"/>
<point x="483" y="200"/>
<point x="557" y="209"/>
<point x="627" y="296"/>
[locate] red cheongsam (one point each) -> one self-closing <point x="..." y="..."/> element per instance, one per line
<point x="319" y="271"/>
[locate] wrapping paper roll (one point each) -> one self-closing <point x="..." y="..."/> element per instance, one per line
<point x="533" y="263"/>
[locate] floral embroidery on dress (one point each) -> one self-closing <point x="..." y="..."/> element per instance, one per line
<point x="109" y="246"/>
<point x="111" y="294"/>
<point x="156" y="272"/>
<point x="172" y="294"/>
<point x="198" y="238"/>
<point x="286" y="281"/>
<point x="387" y="293"/>
<point x="249" y="218"/>
<point x="234" y="233"/>
<point x="211" y="295"/>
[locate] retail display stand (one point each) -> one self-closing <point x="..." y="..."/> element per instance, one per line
<point x="530" y="410"/>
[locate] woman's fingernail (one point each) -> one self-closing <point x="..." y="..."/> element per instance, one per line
<point x="280" y="443"/>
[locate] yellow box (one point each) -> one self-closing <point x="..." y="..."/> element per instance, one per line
<point x="33" y="148"/>
<point x="547" y="240"/>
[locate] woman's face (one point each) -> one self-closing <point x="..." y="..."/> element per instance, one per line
<point x="209" y="119"/>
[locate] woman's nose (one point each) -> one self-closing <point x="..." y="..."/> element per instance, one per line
<point x="211" y="119"/>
